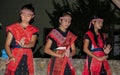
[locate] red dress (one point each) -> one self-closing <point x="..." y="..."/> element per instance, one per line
<point x="92" y="65"/>
<point x="19" y="32"/>
<point x="57" y="65"/>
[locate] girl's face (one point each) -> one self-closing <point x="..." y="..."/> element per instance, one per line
<point x="26" y="15"/>
<point x="65" y="21"/>
<point x="98" y="24"/>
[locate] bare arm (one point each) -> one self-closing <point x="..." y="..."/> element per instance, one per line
<point x="73" y="50"/>
<point x="87" y="51"/>
<point x="47" y="49"/>
<point x="7" y="44"/>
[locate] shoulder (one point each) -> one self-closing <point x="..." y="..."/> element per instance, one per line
<point x="34" y="28"/>
<point x="88" y="32"/>
<point x="87" y="35"/>
<point x="53" y="31"/>
<point x="72" y="33"/>
<point x="51" y="34"/>
<point x="13" y="25"/>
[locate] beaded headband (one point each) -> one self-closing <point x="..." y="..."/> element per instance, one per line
<point x="65" y="17"/>
<point x="99" y="19"/>
<point x="27" y="11"/>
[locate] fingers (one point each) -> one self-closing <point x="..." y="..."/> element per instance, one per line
<point x="67" y="53"/>
<point x="107" y="49"/>
<point x="11" y="59"/>
<point x="21" y="42"/>
<point x="102" y="58"/>
<point x="18" y="42"/>
<point x="62" y="55"/>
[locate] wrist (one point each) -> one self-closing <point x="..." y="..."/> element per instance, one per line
<point x="11" y="57"/>
<point x="96" y="57"/>
<point x="58" y="55"/>
<point x="23" y="46"/>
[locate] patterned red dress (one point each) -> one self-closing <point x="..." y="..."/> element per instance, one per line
<point x="24" y="57"/>
<point x="63" y="40"/>
<point x="93" y="66"/>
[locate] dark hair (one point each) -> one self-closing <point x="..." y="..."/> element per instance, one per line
<point x="66" y="13"/>
<point x="29" y="7"/>
<point x="92" y="29"/>
<point x="96" y="17"/>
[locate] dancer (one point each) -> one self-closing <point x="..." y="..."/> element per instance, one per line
<point x="96" y="50"/>
<point x="21" y="37"/>
<point x="61" y="46"/>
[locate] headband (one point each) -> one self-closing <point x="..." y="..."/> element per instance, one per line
<point x="27" y="11"/>
<point x="65" y="17"/>
<point x="99" y="19"/>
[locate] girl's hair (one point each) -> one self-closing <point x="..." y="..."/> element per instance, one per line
<point x="92" y="30"/>
<point x="66" y="13"/>
<point x="29" y="7"/>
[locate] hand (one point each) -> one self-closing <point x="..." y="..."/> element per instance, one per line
<point x="67" y="53"/>
<point x="61" y="55"/>
<point x="21" y="42"/>
<point x="107" y="49"/>
<point x="10" y="59"/>
<point x="102" y="58"/>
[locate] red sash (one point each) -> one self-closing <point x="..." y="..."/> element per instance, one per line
<point x="60" y="63"/>
<point x="95" y="66"/>
<point x="18" y="32"/>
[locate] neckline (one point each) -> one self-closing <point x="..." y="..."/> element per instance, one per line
<point x="62" y="31"/>
<point x="22" y="26"/>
